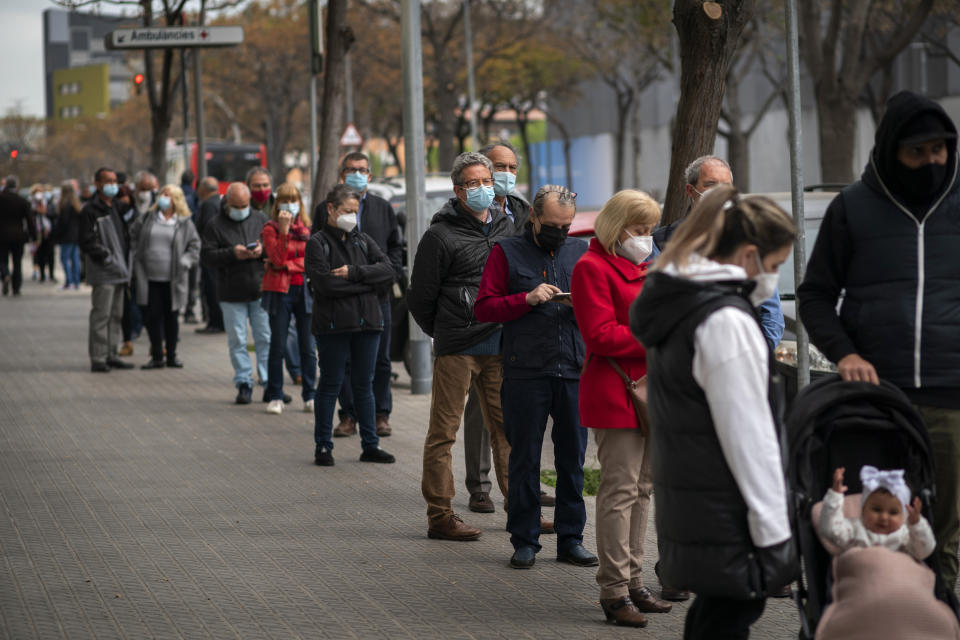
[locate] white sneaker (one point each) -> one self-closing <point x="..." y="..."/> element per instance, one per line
<point x="275" y="407"/>
<point x="308" y="406"/>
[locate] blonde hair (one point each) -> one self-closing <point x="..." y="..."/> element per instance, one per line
<point x="722" y="221"/>
<point x="285" y="191"/>
<point x="625" y="209"/>
<point x="177" y="200"/>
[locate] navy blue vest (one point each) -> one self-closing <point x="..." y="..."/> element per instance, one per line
<point x="902" y="303"/>
<point x="546" y="341"/>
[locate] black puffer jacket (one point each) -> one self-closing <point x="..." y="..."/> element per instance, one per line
<point x="702" y="529"/>
<point x="342" y="305"/>
<point x="446" y="276"/>
<point x="237" y="280"/>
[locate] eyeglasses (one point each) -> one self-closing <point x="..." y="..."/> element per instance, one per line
<point x="473" y="184"/>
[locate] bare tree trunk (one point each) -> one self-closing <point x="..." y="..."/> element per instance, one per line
<point x="837" y="119"/>
<point x="706" y="47"/>
<point x="624" y="105"/>
<point x="338" y="37"/>
<point x="522" y="119"/>
<point x="446" y="128"/>
<point x="567" y="144"/>
<point x="738" y="155"/>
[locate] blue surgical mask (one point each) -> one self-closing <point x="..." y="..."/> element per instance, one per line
<point x="110" y="190"/>
<point x="238" y="215"/>
<point x="291" y="207"/>
<point x="356" y="181"/>
<point x="479" y="198"/>
<point x="163" y="203"/>
<point x="503" y="182"/>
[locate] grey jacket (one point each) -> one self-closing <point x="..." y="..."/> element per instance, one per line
<point x="185" y="254"/>
<point x="104" y="241"/>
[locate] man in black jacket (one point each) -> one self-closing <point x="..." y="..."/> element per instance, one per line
<point x="231" y="245"/>
<point x="209" y="208"/>
<point x="890" y="241"/>
<point x="377" y="219"/>
<point x="14" y="232"/>
<point x="443" y="287"/>
<point x="105" y="242"/>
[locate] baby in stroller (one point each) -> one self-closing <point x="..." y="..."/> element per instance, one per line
<point x="885" y="497"/>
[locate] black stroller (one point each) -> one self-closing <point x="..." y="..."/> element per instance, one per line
<point x="848" y="424"/>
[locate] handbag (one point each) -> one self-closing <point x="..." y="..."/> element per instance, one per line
<point x="637" y="392"/>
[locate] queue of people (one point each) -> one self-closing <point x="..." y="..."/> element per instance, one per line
<point x="530" y="326"/>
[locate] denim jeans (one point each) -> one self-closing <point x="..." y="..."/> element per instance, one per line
<point x="235" y="316"/>
<point x="526" y="404"/>
<point x="333" y="351"/>
<point x="283" y="306"/>
<point x="70" y="258"/>
<point x="382" y="376"/>
<point x="292" y="351"/>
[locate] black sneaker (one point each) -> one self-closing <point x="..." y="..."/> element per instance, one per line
<point x="323" y="457"/>
<point x="117" y="363"/>
<point x="244" y="394"/>
<point x="99" y="367"/>
<point x="376" y="455"/>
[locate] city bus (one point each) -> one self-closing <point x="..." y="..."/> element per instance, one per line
<point x="226" y="161"/>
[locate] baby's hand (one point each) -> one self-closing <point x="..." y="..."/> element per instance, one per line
<point x="913" y="511"/>
<point x="838" y="485"/>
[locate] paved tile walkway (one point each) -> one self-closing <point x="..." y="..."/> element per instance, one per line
<point x="145" y="504"/>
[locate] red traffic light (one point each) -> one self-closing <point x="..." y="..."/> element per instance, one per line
<point x="138" y="79"/>
<point x="14" y="153"/>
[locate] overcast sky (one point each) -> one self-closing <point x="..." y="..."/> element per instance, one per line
<point x="21" y="49"/>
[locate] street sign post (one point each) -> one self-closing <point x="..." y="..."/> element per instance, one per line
<point x="173" y="37"/>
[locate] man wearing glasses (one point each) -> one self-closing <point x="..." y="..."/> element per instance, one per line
<point x="377" y="219"/>
<point x="526" y="285"/>
<point x="443" y="288"/>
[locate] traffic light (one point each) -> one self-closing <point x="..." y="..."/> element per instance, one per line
<point x="14" y="153"/>
<point x="138" y="82"/>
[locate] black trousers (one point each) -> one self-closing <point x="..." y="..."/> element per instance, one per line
<point x="208" y="287"/>
<point x="161" y="321"/>
<point x="12" y="250"/>
<point x="721" y="618"/>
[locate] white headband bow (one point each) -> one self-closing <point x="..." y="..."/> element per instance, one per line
<point x="891" y="480"/>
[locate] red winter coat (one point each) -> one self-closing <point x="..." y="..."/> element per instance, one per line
<point x="602" y="289"/>
<point x="284" y="252"/>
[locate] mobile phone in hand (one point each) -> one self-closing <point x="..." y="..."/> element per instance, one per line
<point x="560" y="297"/>
<point x="252" y="246"/>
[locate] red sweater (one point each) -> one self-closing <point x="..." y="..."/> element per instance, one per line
<point x="284" y="253"/>
<point x="603" y="288"/>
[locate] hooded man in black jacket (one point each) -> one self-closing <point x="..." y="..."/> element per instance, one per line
<point x="231" y="245"/>
<point x="890" y="241"/>
<point x="443" y="287"/>
<point x="15" y="223"/>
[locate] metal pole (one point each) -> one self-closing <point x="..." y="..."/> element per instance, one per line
<point x="198" y="108"/>
<point x="186" y="123"/>
<point x="349" y="87"/>
<point x="421" y="374"/>
<point x="796" y="182"/>
<point x="471" y="88"/>
<point x="313" y="132"/>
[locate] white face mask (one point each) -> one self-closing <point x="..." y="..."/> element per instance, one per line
<point x="636" y="249"/>
<point x="144" y="198"/>
<point x="347" y="221"/>
<point x="766" y="285"/>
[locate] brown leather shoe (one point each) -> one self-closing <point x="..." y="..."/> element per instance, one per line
<point x="547" y="500"/>
<point x="383" y="426"/>
<point x="646" y="602"/>
<point x="546" y="527"/>
<point x="453" y="528"/>
<point x="673" y="594"/>
<point x="347" y="427"/>
<point x="480" y="502"/>
<point x="126" y="349"/>
<point x="623" y="612"/>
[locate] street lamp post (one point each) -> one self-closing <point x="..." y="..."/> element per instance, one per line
<point x="471" y="88"/>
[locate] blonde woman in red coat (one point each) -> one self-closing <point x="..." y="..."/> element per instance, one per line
<point x="285" y="294"/>
<point x="605" y="282"/>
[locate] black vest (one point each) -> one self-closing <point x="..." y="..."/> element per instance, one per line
<point x="902" y="303"/>
<point x="701" y="516"/>
<point x="545" y="341"/>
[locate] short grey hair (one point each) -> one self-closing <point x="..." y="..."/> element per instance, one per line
<point x="142" y="175"/>
<point x="209" y="184"/>
<point x="490" y="146"/>
<point x="565" y="197"/>
<point x="254" y="171"/>
<point x="12" y="182"/>
<point x="692" y="173"/>
<point x="465" y="160"/>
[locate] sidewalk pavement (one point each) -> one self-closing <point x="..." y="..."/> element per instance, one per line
<point x="145" y="504"/>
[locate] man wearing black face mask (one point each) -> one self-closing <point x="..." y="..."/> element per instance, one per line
<point x="523" y="284"/>
<point x="891" y="240"/>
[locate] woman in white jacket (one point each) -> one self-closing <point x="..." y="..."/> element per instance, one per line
<point x="721" y="502"/>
